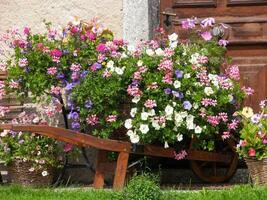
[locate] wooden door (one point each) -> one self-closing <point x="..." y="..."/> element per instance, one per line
<point x="247" y="37"/>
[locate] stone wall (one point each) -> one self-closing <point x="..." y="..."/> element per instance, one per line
<point x="33" y="12"/>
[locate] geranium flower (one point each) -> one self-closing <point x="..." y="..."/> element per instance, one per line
<point x="92" y="120"/>
<point x="52" y="70"/>
<point x="251" y="152"/>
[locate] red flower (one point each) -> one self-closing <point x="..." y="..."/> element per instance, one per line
<point x="56" y="53"/>
<point x="251" y="152"/>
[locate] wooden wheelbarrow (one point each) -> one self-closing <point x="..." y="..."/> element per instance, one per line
<point x="224" y="157"/>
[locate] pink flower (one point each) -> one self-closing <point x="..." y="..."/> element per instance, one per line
<point x="165" y="65"/>
<point x="213" y="120"/>
<point x="226" y="135"/>
<point x="223" y="116"/>
<point x="3" y="67"/>
<point x="106" y="74"/>
<point x="233" y="72"/>
<point x="111" y="118"/>
<point x="208" y="22"/>
<point x="233" y="125"/>
<point x="4" y="110"/>
<point x="208" y="102"/>
<point x="2" y="84"/>
<point x="168" y="52"/>
<point x="90" y="35"/>
<point x="153" y="86"/>
<point x="223" y="42"/>
<point x="56" y="53"/>
<point x="74" y="29"/>
<point x="134" y="91"/>
<point x="188" y="23"/>
<point x="248" y="90"/>
<point x="181" y="155"/>
<point x="101" y="48"/>
<point x="52" y="32"/>
<point x="150" y="103"/>
<point x="68" y="147"/>
<point x="251" y="152"/>
<point x="75" y="67"/>
<point x="23" y="62"/>
<point x="55" y="90"/>
<point x="137" y="75"/>
<point x="202" y="59"/>
<point x="167" y="78"/>
<point x="92" y="120"/>
<point x="2" y="93"/>
<point x="13" y="84"/>
<point x="142" y="69"/>
<point x="243" y="143"/>
<point x="206" y="36"/>
<point x="52" y="70"/>
<point x="225" y="82"/>
<point x="203" y="77"/>
<point x="26" y="30"/>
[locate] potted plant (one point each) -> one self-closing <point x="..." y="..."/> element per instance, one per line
<point x="253" y="142"/>
<point x="31" y="158"/>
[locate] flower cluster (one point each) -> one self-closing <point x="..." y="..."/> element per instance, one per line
<point x="178" y="91"/>
<point x="41" y="151"/>
<point x="253" y="138"/>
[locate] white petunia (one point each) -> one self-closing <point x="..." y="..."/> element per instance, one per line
<point x="151" y="112"/>
<point x="159" y="52"/>
<point x="130" y="133"/>
<point x="177" y="84"/>
<point x="136" y="99"/>
<point x="36" y="120"/>
<point x="144" y="115"/>
<point x="179" y="137"/>
<point x="166" y="145"/>
<point x="144" y="128"/>
<point x="184" y="114"/>
<point x="190" y="125"/>
<point x="110" y="64"/>
<point x="119" y="71"/>
<point x="173" y="37"/>
<point x="44" y="173"/>
<point x="187" y="75"/>
<point x="230" y="97"/>
<point x="133" y="112"/>
<point x="134" y="138"/>
<point x="173" y="45"/>
<point x="178" y="118"/>
<point x="150" y="52"/>
<point x="195" y="105"/>
<point x="4" y="133"/>
<point x="139" y="63"/>
<point x="128" y="123"/>
<point x="124" y="55"/>
<point x="208" y="91"/>
<point x="169" y="110"/>
<point x="174" y="103"/>
<point x="198" y="129"/>
<point x="155" y="125"/>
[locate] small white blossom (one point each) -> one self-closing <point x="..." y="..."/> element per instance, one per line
<point x="134" y="138"/>
<point x="169" y="110"/>
<point x="155" y="125"/>
<point x="173" y="37"/>
<point x="133" y="112"/>
<point x="179" y="137"/>
<point x="119" y="71"/>
<point x="31" y="169"/>
<point x="139" y="63"/>
<point x="177" y="84"/>
<point x="187" y="75"/>
<point x="173" y="45"/>
<point x="36" y="120"/>
<point x="150" y="52"/>
<point x="159" y="52"/>
<point x="208" y="91"/>
<point x="198" y="129"/>
<point x="110" y="64"/>
<point x="151" y="112"/>
<point x="136" y="99"/>
<point x="166" y="145"/>
<point x="130" y="133"/>
<point x="231" y="98"/>
<point x="128" y="123"/>
<point x="195" y="105"/>
<point x="144" y="128"/>
<point x="44" y="173"/>
<point x="4" y="133"/>
<point x="144" y="115"/>
<point x="131" y="48"/>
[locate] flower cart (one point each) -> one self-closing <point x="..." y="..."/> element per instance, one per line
<point x="226" y="157"/>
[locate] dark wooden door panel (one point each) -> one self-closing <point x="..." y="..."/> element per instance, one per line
<point x="247" y="34"/>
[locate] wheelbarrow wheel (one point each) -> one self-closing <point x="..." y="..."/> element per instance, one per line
<point x="215" y="172"/>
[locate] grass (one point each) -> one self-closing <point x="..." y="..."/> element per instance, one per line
<point x="22" y="193"/>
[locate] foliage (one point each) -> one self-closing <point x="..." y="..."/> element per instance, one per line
<point x="142" y="187"/>
<point x="253" y="139"/>
<point x="42" y="151"/>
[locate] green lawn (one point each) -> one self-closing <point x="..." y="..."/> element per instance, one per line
<point x="236" y="193"/>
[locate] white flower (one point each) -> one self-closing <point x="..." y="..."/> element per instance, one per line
<point x="173" y="45"/>
<point x="38" y="153"/>
<point x="195" y="105"/>
<point x="208" y="91"/>
<point x="179" y="137"/>
<point x="136" y="99"/>
<point x="231" y="98"/>
<point x="139" y="63"/>
<point x="194" y="59"/>
<point x="110" y="64"/>
<point x="31" y="169"/>
<point x="190" y="125"/>
<point x="134" y="138"/>
<point x="130" y="133"/>
<point x="190" y="118"/>
<point x="198" y="129"/>
<point x="178" y="119"/>
<point x="119" y="71"/>
<point x="4" y="133"/>
<point x="173" y="37"/>
<point x="166" y="145"/>
<point x="151" y="112"/>
<point x="36" y="120"/>
<point x="177" y="84"/>
<point x="124" y="55"/>
<point x="144" y="115"/>
<point x="159" y="52"/>
<point x="184" y="114"/>
<point x="150" y="52"/>
<point x="168" y="110"/>
<point x="44" y="173"/>
<point x="144" y="128"/>
<point x="133" y="112"/>
<point x="155" y="125"/>
<point x="174" y="103"/>
<point x="128" y="123"/>
<point x="187" y="75"/>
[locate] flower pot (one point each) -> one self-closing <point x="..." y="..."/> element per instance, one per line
<point x="257" y="170"/>
<point x="20" y="173"/>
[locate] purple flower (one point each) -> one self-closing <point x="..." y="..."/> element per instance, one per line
<point x="168" y="91"/>
<point x="88" y="104"/>
<point x="60" y="76"/>
<point x="255" y="118"/>
<point x="264" y="141"/>
<point x="73" y="115"/>
<point x="21" y="141"/>
<point x="223" y="42"/>
<point x="84" y="74"/>
<point x="187" y="105"/>
<point x="69" y="86"/>
<point x="96" y="66"/>
<point x="75" y="125"/>
<point x="178" y="73"/>
<point x="179" y="95"/>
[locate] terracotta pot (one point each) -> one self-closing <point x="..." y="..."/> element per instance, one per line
<point x="257" y="170"/>
<point x="19" y="174"/>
